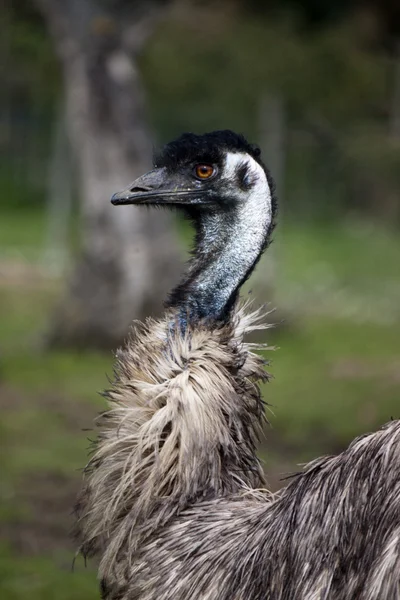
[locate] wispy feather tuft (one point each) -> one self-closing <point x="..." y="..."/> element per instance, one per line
<point x="184" y="419"/>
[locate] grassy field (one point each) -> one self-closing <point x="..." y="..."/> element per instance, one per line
<point x="336" y="374"/>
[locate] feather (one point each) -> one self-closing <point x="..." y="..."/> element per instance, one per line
<point x="332" y="534"/>
<point x="184" y="419"/>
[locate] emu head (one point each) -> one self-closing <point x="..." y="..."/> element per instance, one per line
<point x="220" y="182"/>
<point x="217" y="170"/>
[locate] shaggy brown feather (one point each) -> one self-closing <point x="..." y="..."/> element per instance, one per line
<point x="185" y="416"/>
<point x="332" y="534"/>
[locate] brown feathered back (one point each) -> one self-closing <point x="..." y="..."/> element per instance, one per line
<point x="185" y="415"/>
<point x="332" y="534"/>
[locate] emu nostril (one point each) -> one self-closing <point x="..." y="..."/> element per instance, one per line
<point x="139" y="189"/>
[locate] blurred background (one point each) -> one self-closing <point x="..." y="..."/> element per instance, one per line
<point x="88" y="88"/>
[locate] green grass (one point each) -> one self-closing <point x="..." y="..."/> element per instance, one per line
<point x="22" y="233"/>
<point x="335" y="376"/>
<point x="39" y="578"/>
<point x="350" y="271"/>
<point x="332" y="381"/>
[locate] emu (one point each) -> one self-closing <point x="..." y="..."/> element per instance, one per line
<point x="174" y="500"/>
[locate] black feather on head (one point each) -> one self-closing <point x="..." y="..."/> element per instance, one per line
<point x="208" y="148"/>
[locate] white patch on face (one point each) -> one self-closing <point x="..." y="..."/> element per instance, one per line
<point x="248" y="228"/>
<point x="245" y="231"/>
<point x="255" y="204"/>
<point x="260" y="189"/>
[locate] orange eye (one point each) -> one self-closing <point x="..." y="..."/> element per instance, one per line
<point x="204" y="171"/>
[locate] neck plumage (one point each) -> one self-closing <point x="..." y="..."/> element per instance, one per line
<point x="228" y="246"/>
<point x="182" y="426"/>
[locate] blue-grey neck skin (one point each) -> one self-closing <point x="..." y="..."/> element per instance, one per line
<point x="229" y="243"/>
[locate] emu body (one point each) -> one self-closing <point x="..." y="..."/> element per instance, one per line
<point x="173" y="499"/>
<point x="333" y="533"/>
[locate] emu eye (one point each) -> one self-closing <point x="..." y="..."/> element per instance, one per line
<point x="204" y="171"/>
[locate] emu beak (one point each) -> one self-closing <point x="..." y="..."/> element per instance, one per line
<point x="160" y="187"/>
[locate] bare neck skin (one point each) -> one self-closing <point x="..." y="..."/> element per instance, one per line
<point x="229" y="242"/>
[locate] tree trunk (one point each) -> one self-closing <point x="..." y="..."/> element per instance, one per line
<point x="127" y="254"/>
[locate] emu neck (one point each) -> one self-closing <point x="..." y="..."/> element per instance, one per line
<point x="228" y="247"/>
